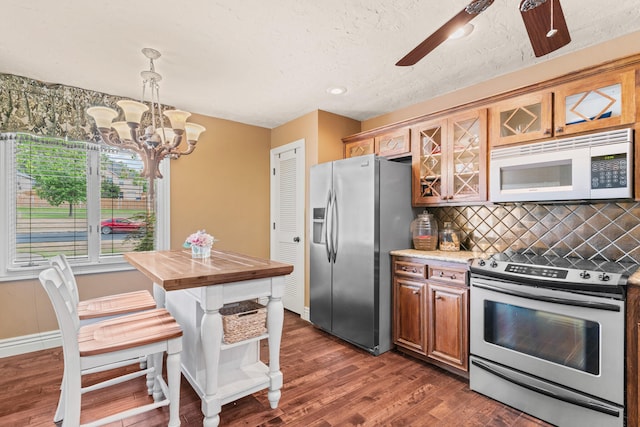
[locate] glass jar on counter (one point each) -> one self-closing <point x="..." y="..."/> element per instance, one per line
<point x="449" y="238"/>
<point x="425" y="232"/>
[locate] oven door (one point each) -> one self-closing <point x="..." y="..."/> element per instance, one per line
<point x="573" y="340"/>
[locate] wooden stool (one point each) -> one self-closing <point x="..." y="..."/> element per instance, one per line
<point x="106" y="344"/>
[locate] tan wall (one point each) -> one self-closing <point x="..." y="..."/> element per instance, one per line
<point x="223" y="187"/>
<point x="548" y="68"/>
<point x="331" y="129"/>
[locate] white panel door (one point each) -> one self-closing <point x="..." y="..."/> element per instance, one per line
<point x="287" y="218"/>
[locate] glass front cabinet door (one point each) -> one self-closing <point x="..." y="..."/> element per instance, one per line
<point x="449" y="159"/>
<point x="523" y="118"/>
<point x="428" y="162"/>
<point x="594" y="103"/>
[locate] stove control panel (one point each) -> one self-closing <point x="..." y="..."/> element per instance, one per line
<point x="531" y="270"/>
<point x="535" y="272"/>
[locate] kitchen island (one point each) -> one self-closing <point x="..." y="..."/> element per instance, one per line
<point x="194" y="291"/>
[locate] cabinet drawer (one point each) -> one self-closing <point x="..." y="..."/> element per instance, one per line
<point x="410" y="269"/>
<point x="448" y="275"/>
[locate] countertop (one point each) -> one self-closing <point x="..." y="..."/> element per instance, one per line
<point x="462" y="257"/>
<point x="176" y="269"/>
<point x="634" y="279"/>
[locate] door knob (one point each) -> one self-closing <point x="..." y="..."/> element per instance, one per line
<point x="296" y="239"/>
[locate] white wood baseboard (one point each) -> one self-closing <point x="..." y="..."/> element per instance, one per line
<point x="28" y="343"/>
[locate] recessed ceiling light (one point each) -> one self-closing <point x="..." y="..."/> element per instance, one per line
<point x="463" y="31"/>
<point x="337" y="90"/>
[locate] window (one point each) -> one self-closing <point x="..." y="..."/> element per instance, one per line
<point x="83" y="199"/>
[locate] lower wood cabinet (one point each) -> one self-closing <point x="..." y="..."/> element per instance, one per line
<point x="410" y="320"/>
<point x="431" y="312"/>
<point x="447" y="308"/>
<point x="632" y="362"/>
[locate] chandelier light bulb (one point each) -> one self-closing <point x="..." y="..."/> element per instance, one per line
<point x="193" y="131"/>
<point x="178" y="118"/>
<point x="133" y="110"/>
<point x="122" y="129"/>
<point x="103" y="116"/>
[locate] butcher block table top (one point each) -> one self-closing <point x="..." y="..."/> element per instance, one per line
<point x="175" y="269"/>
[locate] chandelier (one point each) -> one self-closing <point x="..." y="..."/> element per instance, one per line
<point x="154" y="142"/>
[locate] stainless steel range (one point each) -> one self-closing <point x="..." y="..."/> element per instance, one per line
<point x="547" y="336"/>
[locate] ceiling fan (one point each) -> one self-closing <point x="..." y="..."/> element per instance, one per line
<point x="543" y="19"/>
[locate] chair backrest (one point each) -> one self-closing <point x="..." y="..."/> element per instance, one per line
<point x="63" y="304"/>
<point x="62" y="263"/>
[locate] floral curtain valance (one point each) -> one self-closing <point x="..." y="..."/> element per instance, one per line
<point x="39" y="108"/>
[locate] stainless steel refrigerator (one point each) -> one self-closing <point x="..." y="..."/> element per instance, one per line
<point x="360" y="210"/>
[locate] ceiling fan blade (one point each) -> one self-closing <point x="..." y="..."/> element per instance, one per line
<point x="472" y="10"/>
<point x="537" y="21"/>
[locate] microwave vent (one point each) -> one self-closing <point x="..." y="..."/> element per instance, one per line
<point x="583" y="141"/>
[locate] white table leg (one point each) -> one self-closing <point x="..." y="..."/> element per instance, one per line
<point x="159" y="294"/>
<point x="211" y="336"/>
<point x="275" y="320"/>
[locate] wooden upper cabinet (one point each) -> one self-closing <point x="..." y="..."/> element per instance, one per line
<point x="450" y="159"/>
<point x="523" y="118"/>
<point x="584" y="105"/>
<point x="392" y="144"/>
<point x="359" y="148"/>
<point x="594" y="103"/>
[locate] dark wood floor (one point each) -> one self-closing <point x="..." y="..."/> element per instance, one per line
<point x="326" y="383"/>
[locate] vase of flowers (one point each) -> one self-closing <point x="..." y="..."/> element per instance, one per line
<point x="200" y="243"/>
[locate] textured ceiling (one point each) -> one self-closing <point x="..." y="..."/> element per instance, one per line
<point x="268" y="62"/>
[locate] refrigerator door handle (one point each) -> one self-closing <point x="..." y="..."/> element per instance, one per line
<point x="327" y="224"/>
<point x="334" y="227"/>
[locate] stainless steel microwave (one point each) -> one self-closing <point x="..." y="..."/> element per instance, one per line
<point x="596" y="166"/>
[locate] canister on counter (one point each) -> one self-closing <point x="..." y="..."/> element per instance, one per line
<point x="425" y="232"/>
<point x="449" y="238"/>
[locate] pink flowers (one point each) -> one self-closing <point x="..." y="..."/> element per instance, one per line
<point x="200" y="239"/>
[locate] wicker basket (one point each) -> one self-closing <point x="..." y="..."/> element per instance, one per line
<point x="243" y="320"/>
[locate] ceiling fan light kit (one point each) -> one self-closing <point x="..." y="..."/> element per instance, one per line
<point x="543" y="20"/>
<point x="461" y="32"/>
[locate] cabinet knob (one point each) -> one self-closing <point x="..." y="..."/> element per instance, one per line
<point x="453" y="277"/>
<point x="559" y="129"/>
<point x="547" y="132"/>
<point x="442" y="274"/>
<point x="416" y="292"/>
<point x="438" y="297"/>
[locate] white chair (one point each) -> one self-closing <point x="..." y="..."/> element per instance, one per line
<point x="102" y="308"/>
<point x="93" y="347"/>
<point x="94" y="309"/>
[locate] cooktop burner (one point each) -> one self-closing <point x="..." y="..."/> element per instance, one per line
<point x="567" y="273"/>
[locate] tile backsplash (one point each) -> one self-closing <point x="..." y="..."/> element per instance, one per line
<point x="609" y="231"/>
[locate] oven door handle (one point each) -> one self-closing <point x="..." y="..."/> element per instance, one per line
<point x="554" y="300"/>
<point x="585" y="403"/>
